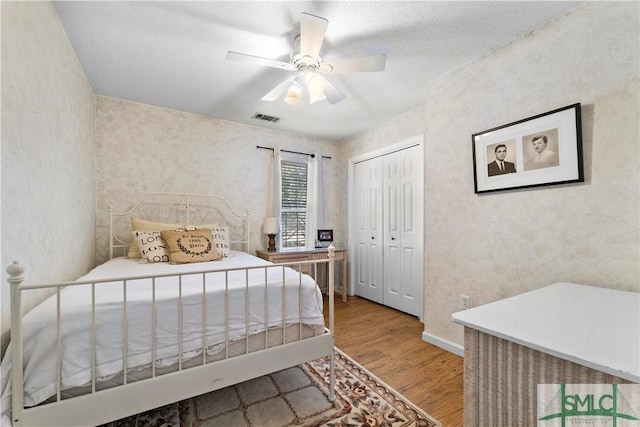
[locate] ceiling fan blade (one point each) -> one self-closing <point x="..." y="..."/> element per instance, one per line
<point x="312" y="31"/>
<point x="279" y="90"/>
<point x="243" y="57"/>
<point x="332" y="93"/>
<point x="314" y="99"/>
<point x="355" y="65"/>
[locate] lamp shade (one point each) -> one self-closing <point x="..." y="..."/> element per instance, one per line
<point x="294" y="95"/>
<point x="316" y="84"/>
<point x="270" y="225"/>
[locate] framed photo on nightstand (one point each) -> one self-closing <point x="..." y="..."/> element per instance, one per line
<point x="325" y="237"/>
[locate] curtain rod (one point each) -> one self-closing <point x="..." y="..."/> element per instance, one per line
<point x="294" y="152"/>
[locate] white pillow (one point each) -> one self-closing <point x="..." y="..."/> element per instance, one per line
<point x="220" y="234"/>
<point x="152" y="246"/>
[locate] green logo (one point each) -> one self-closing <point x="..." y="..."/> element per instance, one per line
<point x="589" y="404"/>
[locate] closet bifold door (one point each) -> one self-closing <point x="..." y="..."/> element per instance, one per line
<point x="402" y="230"/>
<point x="388" y="222"/>
<point x="368" y="229"/>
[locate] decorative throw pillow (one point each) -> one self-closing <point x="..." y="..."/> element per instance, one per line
<point x="138" y="224"/>
<point x="200" y="226"/>
<point x="152" y="246"/>
<point x="220" y="234"/>
<point x="190" y="246"/>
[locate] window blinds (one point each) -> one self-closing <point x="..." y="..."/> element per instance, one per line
<point x="294" y="203"/>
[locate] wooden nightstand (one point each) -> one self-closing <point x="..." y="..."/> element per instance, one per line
<point x="294" y="255"/>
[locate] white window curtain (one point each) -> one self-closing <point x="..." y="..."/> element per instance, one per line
<point x="277" y="200"/>
<point x="315" y="199"/>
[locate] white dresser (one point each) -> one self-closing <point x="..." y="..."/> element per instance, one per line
<point x="562" y="333"/>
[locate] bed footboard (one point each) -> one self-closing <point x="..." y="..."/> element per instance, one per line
<point x="183" y="380"/>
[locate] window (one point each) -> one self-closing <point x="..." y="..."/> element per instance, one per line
<point x="298" y="198"/>
<point x="294" y="209"/>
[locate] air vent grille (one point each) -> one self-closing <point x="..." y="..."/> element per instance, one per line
<point x="259" y="116"/>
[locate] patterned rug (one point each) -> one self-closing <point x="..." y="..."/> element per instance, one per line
<point x="296" y="396"/>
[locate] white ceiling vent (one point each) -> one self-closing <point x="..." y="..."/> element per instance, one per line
<point x="266" y="118"/>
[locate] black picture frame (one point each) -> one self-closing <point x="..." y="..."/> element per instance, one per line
<point x="325" y="235"/>
<point x="545" y="149"/>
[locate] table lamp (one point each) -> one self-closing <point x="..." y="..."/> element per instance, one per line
<point x="270" y="228"/>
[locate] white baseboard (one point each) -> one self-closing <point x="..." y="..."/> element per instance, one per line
<point x="444" y="344"/>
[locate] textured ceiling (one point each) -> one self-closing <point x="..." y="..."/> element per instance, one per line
<point x="172" y="54"/>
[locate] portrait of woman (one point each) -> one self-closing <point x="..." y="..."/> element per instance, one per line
<point x="540" y="150"/>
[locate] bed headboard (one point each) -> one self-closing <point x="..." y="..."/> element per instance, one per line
<point x="178" y="209"/>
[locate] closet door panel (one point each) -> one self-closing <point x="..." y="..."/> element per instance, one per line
<point x="412" y="236"/>
<point x="368" y="223"/>
<point x="393" y="280"/>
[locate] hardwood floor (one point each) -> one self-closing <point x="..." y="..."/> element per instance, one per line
<point x="389" y="343"/>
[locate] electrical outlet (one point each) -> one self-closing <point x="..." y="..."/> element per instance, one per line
<point x="465" y="302"/>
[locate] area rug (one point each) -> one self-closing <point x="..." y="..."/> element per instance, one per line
<point x="296" y="396"/>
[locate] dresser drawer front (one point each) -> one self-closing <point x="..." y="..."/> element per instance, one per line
<point x="304" y="268"/>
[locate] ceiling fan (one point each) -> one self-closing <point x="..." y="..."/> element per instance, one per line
<point x="308" y="85"/>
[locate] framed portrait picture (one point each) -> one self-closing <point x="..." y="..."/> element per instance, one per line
<point x="325" y="236"/>
<point x="541" y="150"/>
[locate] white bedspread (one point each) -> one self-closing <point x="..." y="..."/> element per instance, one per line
<point x="40" y="332"/>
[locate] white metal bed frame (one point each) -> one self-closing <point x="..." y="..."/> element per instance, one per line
<point x="101" y="406"/>
<point x="178" y="208"/>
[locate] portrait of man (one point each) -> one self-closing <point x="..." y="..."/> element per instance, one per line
<point x="500" y="166"/>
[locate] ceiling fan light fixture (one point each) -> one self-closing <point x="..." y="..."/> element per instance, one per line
<point x="309" y="86"/>
<point x="316" y="84"/>
<point x="294" y="95"/>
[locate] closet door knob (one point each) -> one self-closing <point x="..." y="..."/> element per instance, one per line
<point x="393" y="238"/>
<point x="373" y="238"/>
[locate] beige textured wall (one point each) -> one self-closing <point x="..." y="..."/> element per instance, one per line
<point x="498" y="245"/>
<point x="144" y="149"/>
<point x="48" y="152"/>
<point x="391" y="132"/>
